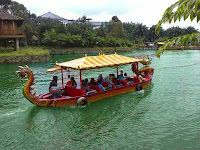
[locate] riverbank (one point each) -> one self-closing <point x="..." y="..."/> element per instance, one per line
<point x="25" y="55"/>
<point x="42" y="54"/>
<point x="54" y="51"/>
<point x="184" y="48"/>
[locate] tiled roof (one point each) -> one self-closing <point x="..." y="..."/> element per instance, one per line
<point x="6" y="16"/>
<point x="52" y="16"/>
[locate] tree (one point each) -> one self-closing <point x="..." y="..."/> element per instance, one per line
<point x="4" y="4"/>
<point x="152" y="36"/>
<point x="83" y="19"/>
<point x="115" y="19"/>
<point x="115" y="28"/>
<point x="174" y="32"/>
<point x="182" y="9"/>
<point x="33" y="16"/>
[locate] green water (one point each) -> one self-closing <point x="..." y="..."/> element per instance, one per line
<point x="165" y="117"/>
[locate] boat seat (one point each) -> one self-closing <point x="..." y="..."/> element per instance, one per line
<point x="105" y="84"/>
<point x="136" y="80"/>
<point x="122" y="82"/>
<point x="91" y="92"/>
<point x="70" y="91"/>
<point x="94" y="87"/>
<point x="118" y="85"/>
<point x="47" y="96"/>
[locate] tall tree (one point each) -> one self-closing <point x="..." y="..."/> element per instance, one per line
<point x="115" y="19"/>
<point x="4" y="4"/>
<point x="18" y="9"/>
<point x="115" y="28"/>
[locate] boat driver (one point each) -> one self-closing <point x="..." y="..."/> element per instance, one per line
<point x="53" y="82"/>
<point x="54" y="89"/>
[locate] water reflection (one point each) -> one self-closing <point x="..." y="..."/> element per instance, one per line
<point x="67" y="127"/>
<point x="30" y="117"/>
<point x="168" y="109"/>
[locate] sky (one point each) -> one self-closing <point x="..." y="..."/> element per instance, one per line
<point x="147" y="12"/>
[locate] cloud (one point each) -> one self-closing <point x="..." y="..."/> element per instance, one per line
<point x="142" y="11"/>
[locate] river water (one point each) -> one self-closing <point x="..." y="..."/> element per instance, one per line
<point x="165" y="117"/>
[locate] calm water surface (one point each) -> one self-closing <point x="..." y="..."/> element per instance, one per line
<point x="165" y="117"/>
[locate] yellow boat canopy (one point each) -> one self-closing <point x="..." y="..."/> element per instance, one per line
<point x="92" y="62"/>
<point x="54" y="69"/>
<point x="161" y="43"/>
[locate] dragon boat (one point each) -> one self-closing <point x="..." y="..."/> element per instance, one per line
<point x="78" y="97"/>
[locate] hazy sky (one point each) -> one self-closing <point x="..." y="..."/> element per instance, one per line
<point x="148" y="12"/>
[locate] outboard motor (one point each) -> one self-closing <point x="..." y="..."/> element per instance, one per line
<point x="56" y="91"/>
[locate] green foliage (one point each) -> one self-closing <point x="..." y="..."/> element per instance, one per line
<point x="18" y="9"/>
<point x="112" y="34"/>
<point x="5" y="3"/>
<point x="26" y="52"/>
<point x="135" y="31"/>
<point x="14" y="8"/>
<point x="182" y="9"/>
<point x="115" y="19"/>
<point x="83" y="19"/>
<point x="117" y="30"/>
<point x="55" y="34"/>
<point x="51" y="38"/>
<point x="184" y="40"/>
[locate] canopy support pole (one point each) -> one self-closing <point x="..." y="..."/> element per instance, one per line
<point x="117" y="71"/>
<point x="137" y="73"/>
<point x="62" y="79"/>
<point x="80" y="79"/>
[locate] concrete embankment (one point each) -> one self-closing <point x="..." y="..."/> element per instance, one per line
<point x="24" y="59"/>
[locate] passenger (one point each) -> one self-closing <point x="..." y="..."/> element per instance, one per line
<point x="147" y="76"/>
<point x="100" y="78"/>
<point x="140" y="76"/>
<point x="125" y="76"/>
<point x="84" y="86"/>
<point x="54" y="89"/>
<point x="121" y="76"/>
<point x="114" y="80"/>
<point x="86" y="81"/>
<point x="100" y="85"/>
<point x="113" y="76"/>
<point x="92" y="82"/>
<point x="53" y="82"/>
<point x="108" y="79"/>
<point x="72" y="83"/>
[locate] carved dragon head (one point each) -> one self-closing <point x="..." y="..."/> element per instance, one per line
<point x="146" y="60"/>
<point x="29" y="88"/>
<point x="22" y="71"/>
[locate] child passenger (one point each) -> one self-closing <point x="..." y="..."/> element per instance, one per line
<point x="121" y="76"/>
<point x="100" y="85"/>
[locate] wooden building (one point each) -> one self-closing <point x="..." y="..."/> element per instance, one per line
<point x="10" y="28"/>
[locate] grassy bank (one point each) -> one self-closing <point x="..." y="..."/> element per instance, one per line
<point x="26" y="51"/>
<point x="80" y="50"/>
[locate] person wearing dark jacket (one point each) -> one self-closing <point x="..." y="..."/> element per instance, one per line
<point x="53" y="82"/>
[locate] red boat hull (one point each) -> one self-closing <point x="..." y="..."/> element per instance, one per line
<point x="72" y="101"/>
